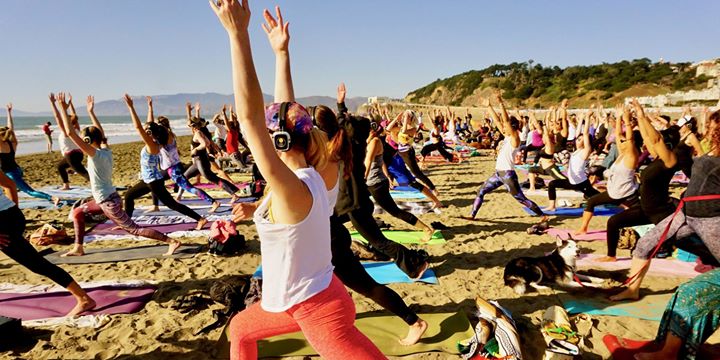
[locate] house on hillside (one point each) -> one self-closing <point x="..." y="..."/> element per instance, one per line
<point x="378" y="100"/>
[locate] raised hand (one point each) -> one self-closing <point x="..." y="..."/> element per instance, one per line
<point x="341" y="92"/>
<point x="61" y="101"/>
<point x="564" y="103"/>
<point x="277" y="31"/>
<point x="233" y="16"/>
<point x="9" y="107"/>
<point x="188" y="107"/>
<point x="52" y="97"/>
<point x="90" y="103"/>
<point x="69" y="98"/>
<point x="128" y="100"/>
<point x="197" y="106"/>
<point x="149" y="100"/>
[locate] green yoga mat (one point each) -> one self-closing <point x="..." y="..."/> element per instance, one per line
<point x="443" y="333"/>
<point x="112" y="255"/>
<point x="405" y="237"/>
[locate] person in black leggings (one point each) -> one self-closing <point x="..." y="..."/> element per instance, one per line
<point x="671" y="154"/>
<point x="14" y="245"/>
<point x="154" y="136"/>
<point x="438" y="142"/>
<point x="201" y="160"/>
<point x="72" y="156"/>
<point x="399" y="129"/>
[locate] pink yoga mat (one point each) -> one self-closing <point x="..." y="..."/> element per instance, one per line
<point x="658" y="267"/>
<point x="592" y="235"/>
<point x="110" y="300"/>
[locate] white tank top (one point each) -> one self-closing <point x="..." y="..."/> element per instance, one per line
<point x="505" y="160"/>
<point x="576" y="168"/>
<point x="66" y="143"/>
<point x="296" y="259"/>
<point x="621" y="180"/>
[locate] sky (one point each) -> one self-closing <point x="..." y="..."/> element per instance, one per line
<point x="383" y="48"/>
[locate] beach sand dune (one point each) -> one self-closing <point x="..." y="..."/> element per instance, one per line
<point x="470" y="264"/>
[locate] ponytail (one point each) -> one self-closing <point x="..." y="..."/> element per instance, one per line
<point x="316" y="153"/>
<point x="340" y="149"/>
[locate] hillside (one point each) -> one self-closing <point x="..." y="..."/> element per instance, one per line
<point x="534" y="85"/>
<point x="175" y="104"/>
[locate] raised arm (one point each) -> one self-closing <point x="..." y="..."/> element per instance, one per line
<point x="10" y="124"/>
<point x="197" y="110"/>
<point x="564" y="127"/>
<point x="249" y="104"/>
<point x="341" y="93"/>
<point x="147" y="139"/>
<point x="587" y="146"/>
<point x="56" y="114"/>
<point x="652" y="138"/>
<point x="85" y="147"/>
<point x="91" y="113"/>
<point x="150" y="114"/>
<point x="188" y="111"/>
<point x="278" y="34"/>
<point x="73" y="113"/>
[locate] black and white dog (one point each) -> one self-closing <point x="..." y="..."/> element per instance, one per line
<point x="558" y="267"/>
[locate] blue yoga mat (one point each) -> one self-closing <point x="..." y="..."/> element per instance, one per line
<point x="601" y="210"/>
<point x="42" y="204"/>
<point x="650" y="307"/>
<point x="384" y="273"/>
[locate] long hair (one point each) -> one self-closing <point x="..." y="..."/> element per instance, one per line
<point x="339" y="147"/>
<point x="714" y="134"/>
<point x="304" y="136"/>
<point x="7" y="135"/>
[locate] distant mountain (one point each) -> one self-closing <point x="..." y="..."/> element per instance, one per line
<point x="175" y="104"/>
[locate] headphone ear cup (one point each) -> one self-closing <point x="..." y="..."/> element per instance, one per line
<point x="86" y="139"/>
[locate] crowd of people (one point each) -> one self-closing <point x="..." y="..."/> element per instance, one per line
<point x="322" y="167"/>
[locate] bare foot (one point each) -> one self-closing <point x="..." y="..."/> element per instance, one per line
<point x="424" y="268"/>
<point x="580" y="232"/>
<point x="174" y="245"/>
<point x="87" y="303"/>
<point x="55" y="200"/>
<point x="214" y="207"/>
<point x="152" y="210"/>
<point x="438" y="205"/>
<point x="415" y="332"/>
<point x="65" y="187"/>
<point x="201" y="223"/>
<point x="550" y="209"/>
<point x="627" y="294"/>
<point x="76" y="251"/>
<point x="428" y="235"/>
<point x="606" y="259"/>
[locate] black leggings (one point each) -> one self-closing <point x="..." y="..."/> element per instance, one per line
<point x="351" y="272"/>
<point x="633" y="216"/>
<point x="409" y="261"/>
<point x="529" y="148"/>
<point x="159" y="191"/>
<point x="20" y="250"/>
<point x="440" y="147"/>
<point x="585" y="187"/>
<point x="604" y="198"/>
<point x="201" y="165"/>
<point x="412" y="165"/>
<point x="72" y="160"/>
<point x="381" y="193"/>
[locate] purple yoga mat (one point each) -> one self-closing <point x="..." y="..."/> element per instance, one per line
<point x="107" y="229"/>
<point x="110" y="300"/>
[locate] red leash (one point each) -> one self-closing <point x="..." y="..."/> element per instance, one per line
<point x="663" y="237"/>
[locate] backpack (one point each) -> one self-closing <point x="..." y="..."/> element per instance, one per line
<point x="49" y="234"/>
<point x="224" y="239"/>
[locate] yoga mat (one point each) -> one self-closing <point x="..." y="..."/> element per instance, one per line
<point x="658" y="267"/>
<point x="407" y="195"/>
<point x="649" y="307"/>
<point x="117" y="299"/>
<point x="444" y="331"/>
<point x="601" y="210"/>
<point x="625" y="349"/>
<point x="405" y="237"/>
<point x="75" y="192"/>
<point x="99" y="256"/>
<point x="413" y="207"/>
<point x="171" y="217"/>
<point x="108" y="229"/>
<point x="592" y="235"/>
<point x="384" y="273"/>
<point x="42" y="204"/>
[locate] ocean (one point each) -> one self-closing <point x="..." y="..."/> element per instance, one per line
<point x="118" y="129"/>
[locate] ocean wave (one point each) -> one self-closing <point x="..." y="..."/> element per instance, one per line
<point x="111" y="129"/>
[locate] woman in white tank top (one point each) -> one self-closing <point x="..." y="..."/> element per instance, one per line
<point x="293" y="221"/>
<point x="505" y="164"/>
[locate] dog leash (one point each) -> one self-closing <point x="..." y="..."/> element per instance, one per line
<point x="663" y="237"/>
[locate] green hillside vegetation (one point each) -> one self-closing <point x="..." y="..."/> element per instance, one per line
<point x="528" y="83"/>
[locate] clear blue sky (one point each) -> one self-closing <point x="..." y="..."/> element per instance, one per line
<point x="376" y="47"/>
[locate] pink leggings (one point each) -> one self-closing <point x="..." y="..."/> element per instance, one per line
<point x="112" y="208"/>
<point x="327" y="320"/>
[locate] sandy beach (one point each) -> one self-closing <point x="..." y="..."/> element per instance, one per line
<point x="471" y="263"/>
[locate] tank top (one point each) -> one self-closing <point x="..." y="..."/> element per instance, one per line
<point x="705" y="181"/>
<point x="505" y="159"/>
<point x="536" y="138"/>
<point x="621" y="181"/>
<point x="7" y="160"/>
<point x="576" y="168"/>
<point x="333" y="193"/>
<point x="66" y="144"/>
<point x="231" y="142"/>
<point x="376" y="175"/>
<point x="296" y="258"/>
<point x="149" y="170"/>
<point x="169" y="155"/>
